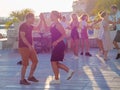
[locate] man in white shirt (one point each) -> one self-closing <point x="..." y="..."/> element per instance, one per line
<point x="115" y="18"/>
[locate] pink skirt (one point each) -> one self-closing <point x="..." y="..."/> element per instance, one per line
<point x="84" y="34"/>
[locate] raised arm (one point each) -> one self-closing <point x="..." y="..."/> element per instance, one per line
<point x="47" y="28"/>
<point x="94" y="23"/>
<point x="37" y="27"/>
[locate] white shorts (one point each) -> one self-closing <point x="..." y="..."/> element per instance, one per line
<point x="100" y="34"/>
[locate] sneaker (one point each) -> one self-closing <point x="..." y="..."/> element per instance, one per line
<point x="55" y="82"/>
<point x="81" y="53"/>
<point x="33" y="79"/>
<point x="19" y="63"/>
<point x="24" y="82"/>
<point x="106" y="59"/>
<point x="100" y="54"/>
<point x="70" y="74"/>
<point x="118" y="56"/>
<point x="76" y="57"/>
<point x="88" y="54"/>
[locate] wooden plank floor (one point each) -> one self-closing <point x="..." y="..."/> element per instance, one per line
<point x="91" y="73"/>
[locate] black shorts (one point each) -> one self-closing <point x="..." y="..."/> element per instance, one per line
<point x="117" y="37"/>
<point x="58" y="52"/>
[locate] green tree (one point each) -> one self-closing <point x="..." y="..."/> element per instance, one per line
<point x="17" y="16"/>
<point x="10" y="22"/>
<point x="90" y="6"/>
<point x="81" y="6"/>
<point x="20" y="15"/>
<point x="104" y="5"/>
<point x="94" y="6"/>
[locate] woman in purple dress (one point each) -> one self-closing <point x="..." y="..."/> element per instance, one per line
<point x="58" y="46"/>
<point x="74" y="25"/>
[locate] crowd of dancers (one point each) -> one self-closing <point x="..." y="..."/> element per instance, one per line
<point x="79" y="27"/>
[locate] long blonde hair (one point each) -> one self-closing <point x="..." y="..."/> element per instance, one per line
<point x="74" y="14"/>
<point x="74" y="19"/>
<point x="57" y="14"/>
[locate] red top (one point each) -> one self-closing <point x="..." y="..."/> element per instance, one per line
<point x="28" y="34"/>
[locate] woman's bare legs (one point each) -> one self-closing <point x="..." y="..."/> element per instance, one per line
<point x="82" y="45"/>
<point x="55" y="69"/>
<point x="76" y="50"/>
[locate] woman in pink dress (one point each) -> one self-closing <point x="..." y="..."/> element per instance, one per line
<point x="84" y="35"/>
<point x="74" y="25"/>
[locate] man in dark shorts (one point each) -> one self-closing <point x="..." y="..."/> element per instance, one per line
<point x="26" y="48"/>
<point x="115" y="17"/>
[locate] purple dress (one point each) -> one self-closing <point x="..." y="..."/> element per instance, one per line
<point x="84" y="34"/>
<point x="58" y="50"/>
<point x="74" y="33"/>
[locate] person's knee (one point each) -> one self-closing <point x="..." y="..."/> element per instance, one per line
<point x="35" y="62"/>
<point x="54" y="62"/>
<point x="24" y="66"/>
<point x="25" y="63"/>
<point x="114" y="42"/>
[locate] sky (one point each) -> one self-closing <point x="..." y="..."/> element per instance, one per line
<point x="7" y="6"/>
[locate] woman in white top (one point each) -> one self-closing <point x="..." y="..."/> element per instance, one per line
<point x="106" y="39"/>
<point x="100" y="34"/>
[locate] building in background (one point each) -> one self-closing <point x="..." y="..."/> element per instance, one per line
<point x="83" y="6"/>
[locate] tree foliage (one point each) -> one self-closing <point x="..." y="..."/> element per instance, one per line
<point x="95" y="6"/>
<point x="17" y="16"/>
<point x="104" y="5"/>
<point x="20" y="15"/>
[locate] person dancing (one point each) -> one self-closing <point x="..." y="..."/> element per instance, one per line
<point x="84" y="35"/>
<point x="74" y="26"/>
<point x="58" y="46"/>
<point x="26" y="48"/>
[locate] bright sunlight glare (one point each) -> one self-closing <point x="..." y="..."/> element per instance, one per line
<point x="7" y="6"/>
